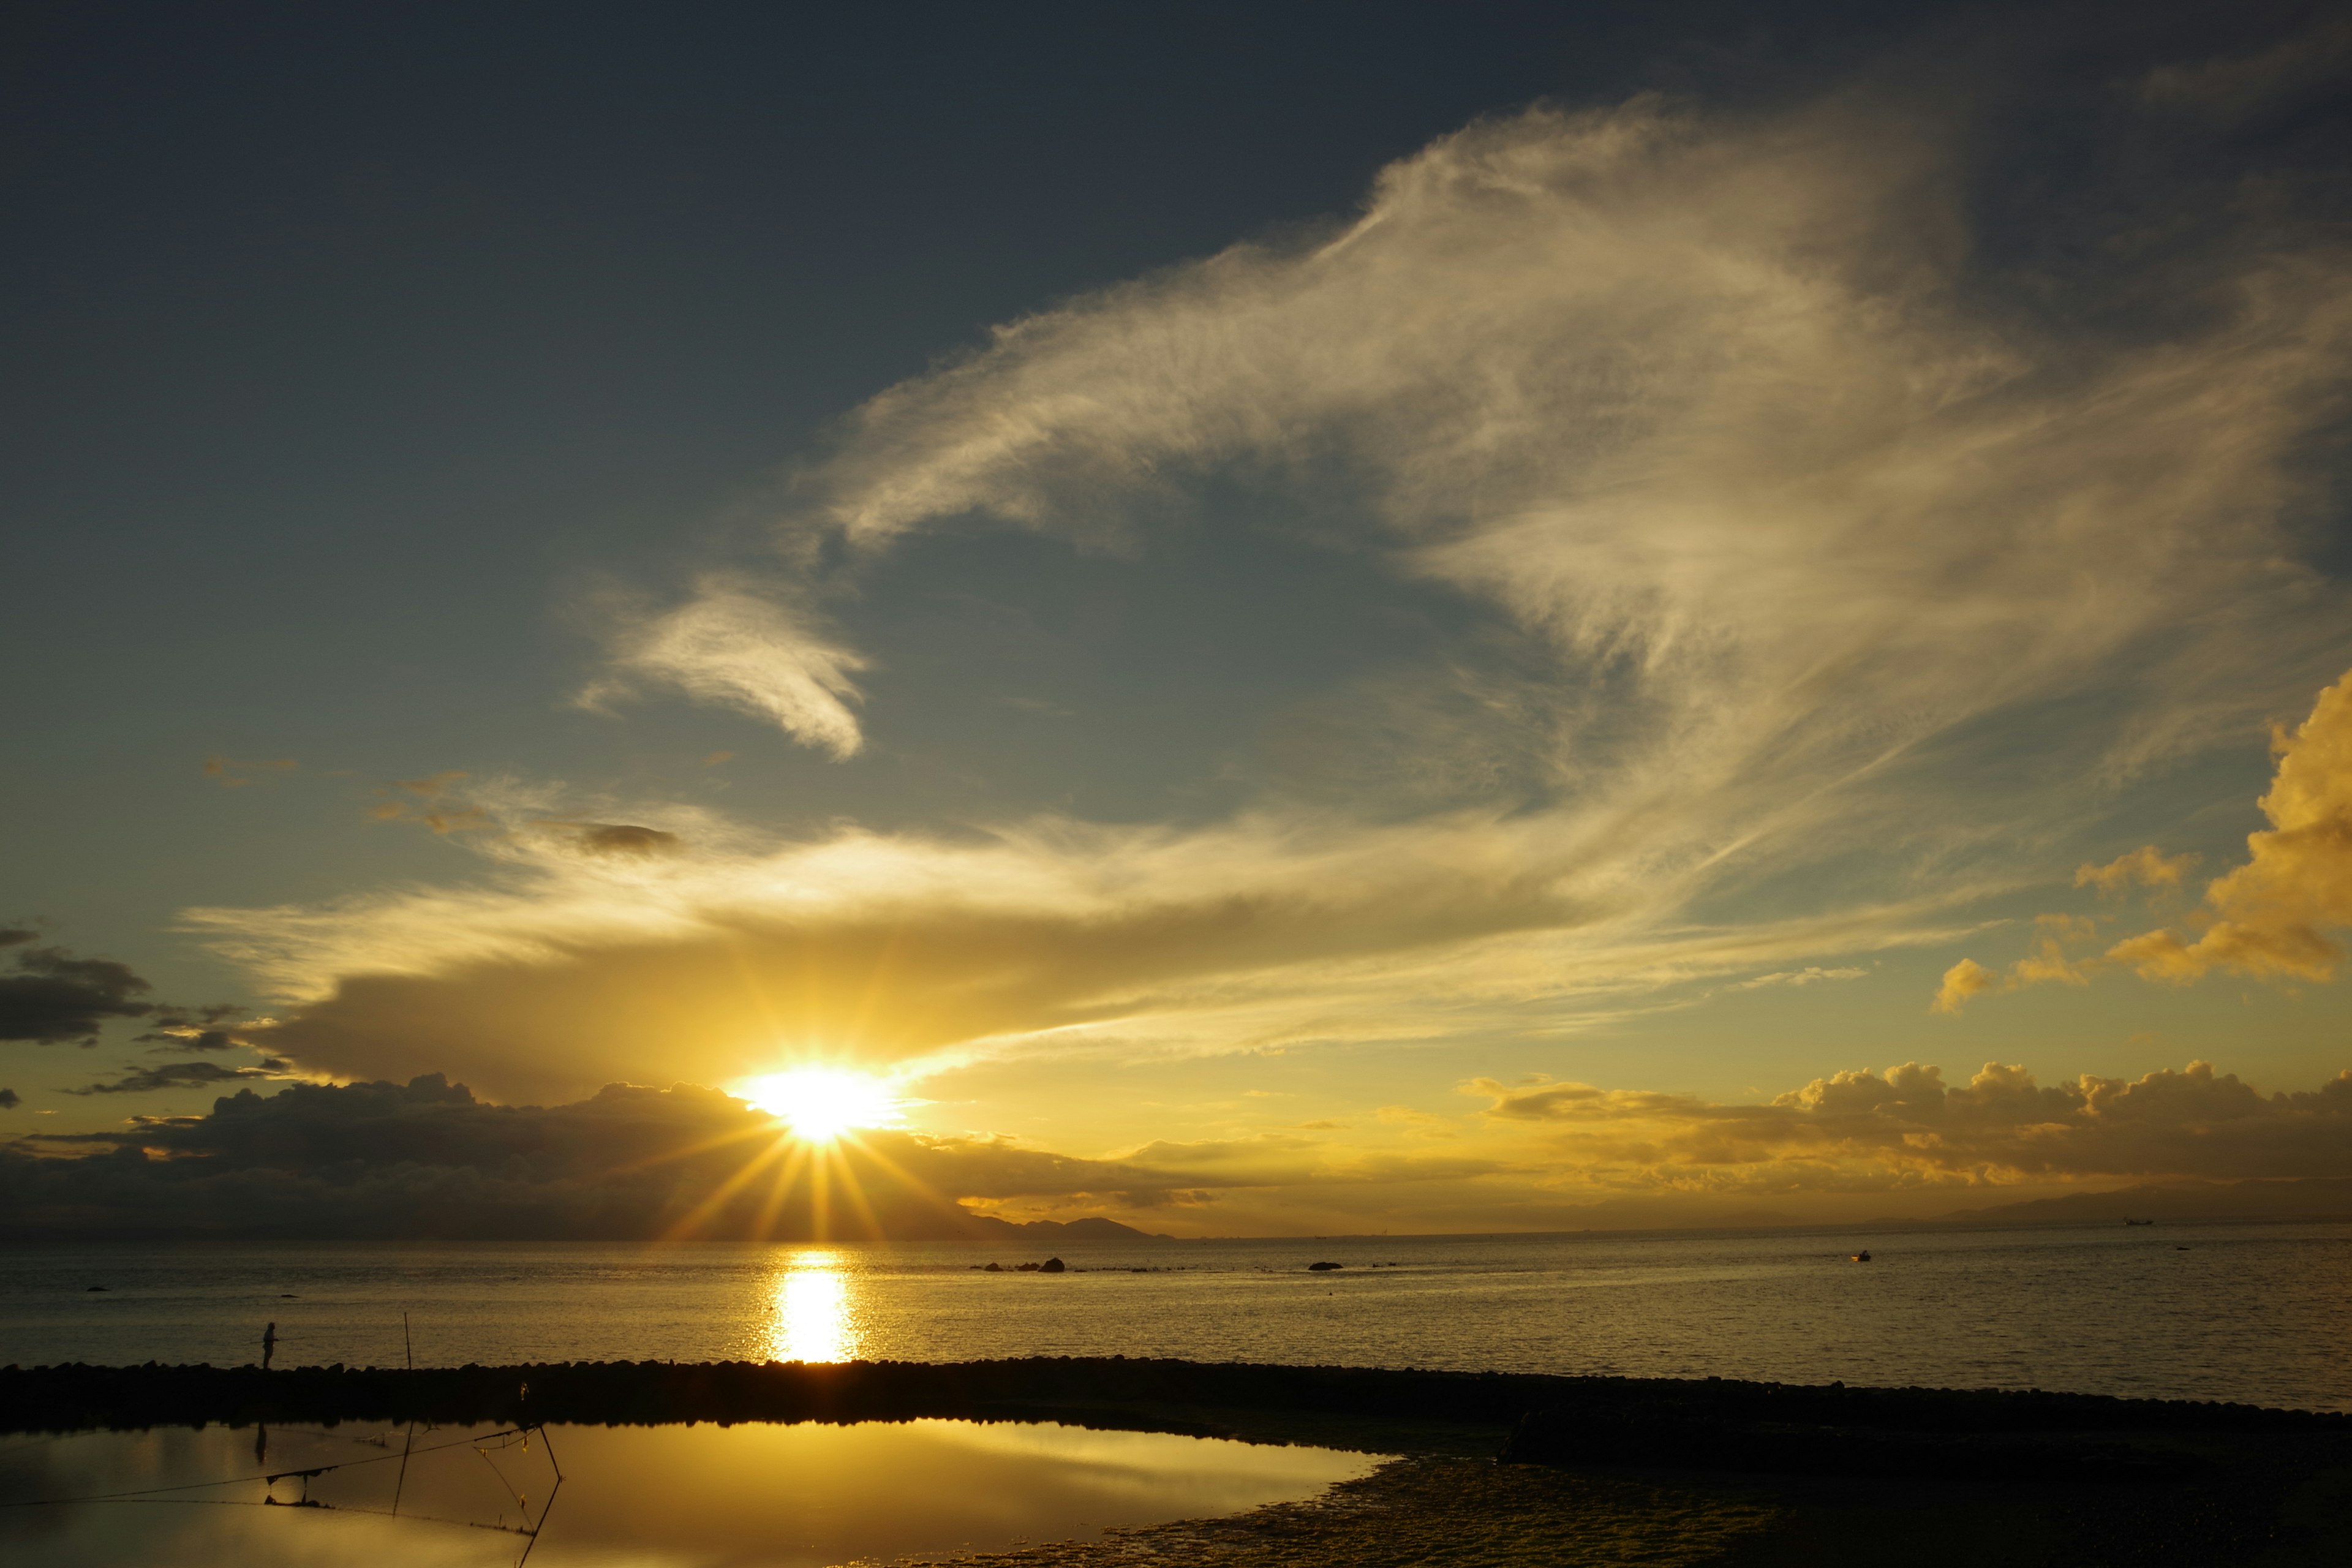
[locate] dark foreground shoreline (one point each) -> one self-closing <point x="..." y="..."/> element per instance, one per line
<point x="78" y="1397"/>
<point x="1704" y="1471"/>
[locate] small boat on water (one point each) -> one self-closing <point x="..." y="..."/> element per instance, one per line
<point x="1862" y="1256"/>
<point x="2139" y="1222"/>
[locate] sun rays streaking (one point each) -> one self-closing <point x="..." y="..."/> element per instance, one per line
<point x="788" y="1187"/>
<point x="821" y="1103"/>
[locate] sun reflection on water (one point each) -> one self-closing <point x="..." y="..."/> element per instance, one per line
<point x="815" y="1315"/>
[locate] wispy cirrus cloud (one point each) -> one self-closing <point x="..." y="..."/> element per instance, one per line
<point x="731" y="952"/>
<point x="1719" y="407"/>
<point x="183" y="1075"/>
<point x="1806" y="508"/>
<point x="1812" y="974"/>
<point x="735" y="647"/>
<point x="2146" y="867"/>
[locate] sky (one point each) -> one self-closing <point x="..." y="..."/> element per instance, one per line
<point x="1367" y="617"/>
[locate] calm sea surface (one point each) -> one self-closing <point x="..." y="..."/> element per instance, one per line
<point x="2255" y="1312"/>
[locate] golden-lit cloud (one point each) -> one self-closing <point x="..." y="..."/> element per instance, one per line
<point x="737" y="646"/>
<point x="720" y="960"/>
<point x="732" y="954"/>
<point x="1965" y="979"/>
<point x="1812" y="974"/>
<point x="2271" y="916"/>
<point x="430" y="1159"/>
<point x="432" y="801"/>
<point x="2144" y="867"/>
<point x="1907" y="1127"/>
<point x="2268" y="919"/>
<point x="1713" y="418"/>
<point x="1558" y="361"/>
<point x="427" y="1158"/>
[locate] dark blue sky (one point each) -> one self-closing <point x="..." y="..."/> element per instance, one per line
<point x="340" y="340"/>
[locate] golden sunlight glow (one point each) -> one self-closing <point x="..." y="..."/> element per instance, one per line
<point x="822" y="1103"/>
<point x="813" y="1318"/>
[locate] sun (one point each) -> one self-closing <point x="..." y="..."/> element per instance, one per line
<point x="820" y="1104"/>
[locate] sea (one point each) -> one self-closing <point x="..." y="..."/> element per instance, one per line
<point x="2260" y="1314"/>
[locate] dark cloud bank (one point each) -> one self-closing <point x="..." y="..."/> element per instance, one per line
<point x="428" y="1159"/>
<point x="53" y="997"/>
<point x="178" y="1074"/>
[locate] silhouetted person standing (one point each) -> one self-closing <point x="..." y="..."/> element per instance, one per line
<point x="269" y="1345"/>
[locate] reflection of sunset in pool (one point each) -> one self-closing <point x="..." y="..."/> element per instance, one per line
<point x="814" y="1315"/>
<point x="801" y="1496"/>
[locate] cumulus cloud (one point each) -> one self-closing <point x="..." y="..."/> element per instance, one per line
<point x="1906" y="1126"/>
<point x="428" y="1159"/>
<point x="2271" y="916"/>
<point x="55" y="997"/>
<point x="10" y="1099"/>
<point x="736" y="648"/>
<point x="1965" y="979"/>
<point x="1730" y="417"/>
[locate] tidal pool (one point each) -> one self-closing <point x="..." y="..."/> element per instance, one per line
<point x="790" y="1496"/>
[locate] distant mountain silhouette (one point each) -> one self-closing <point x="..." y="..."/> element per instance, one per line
<point x="987" y="1227"/>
